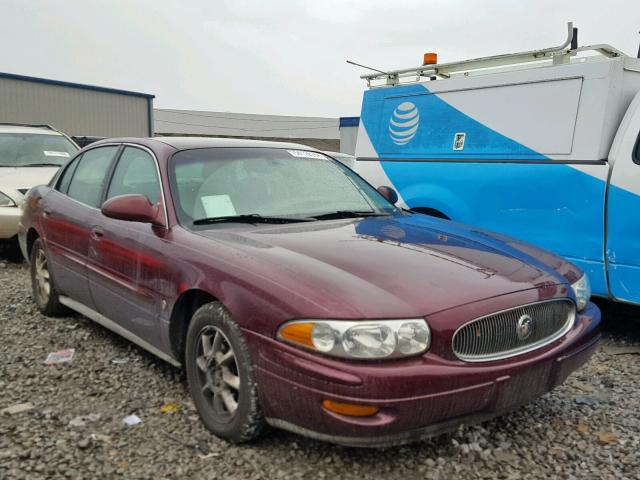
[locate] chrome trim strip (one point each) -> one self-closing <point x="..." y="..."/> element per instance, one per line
<point x="155" y="159"/>
<point x="67" y="253"/>
<point x="114" y="327"/>
<point x="521" y="350"/>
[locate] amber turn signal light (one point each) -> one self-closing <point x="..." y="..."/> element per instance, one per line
<point x="350" y="409"/>
<point x="430" y="58"/>
<point x="299" y="333"/>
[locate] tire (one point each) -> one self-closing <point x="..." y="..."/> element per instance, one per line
<point x="213" y="373"/>
<point x="43" y="287"/>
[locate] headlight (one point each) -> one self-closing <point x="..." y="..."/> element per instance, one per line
<point x="6" y="201"/>
<point x="359" y="339"/>
<point x="582" y="291"/>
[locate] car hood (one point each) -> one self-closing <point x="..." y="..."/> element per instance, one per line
<point x="390" y="266"/>
<point x="16" y="181"/>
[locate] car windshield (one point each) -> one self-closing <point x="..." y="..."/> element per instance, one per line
<point x="257" y="184"/>
<point x="31" y="149"/>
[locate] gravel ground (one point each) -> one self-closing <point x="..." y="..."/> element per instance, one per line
<point x="587" y="428"/>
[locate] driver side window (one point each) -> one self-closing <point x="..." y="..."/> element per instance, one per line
<point x="135" y="173"/>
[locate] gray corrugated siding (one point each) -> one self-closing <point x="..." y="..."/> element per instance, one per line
<point x="75" y="111"/>
<point x="245" y="125"/>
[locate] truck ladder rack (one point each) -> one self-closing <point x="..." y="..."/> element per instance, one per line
<point x="559" y="54"/>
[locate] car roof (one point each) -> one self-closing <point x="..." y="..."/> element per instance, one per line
<point x="186" y="143"/>
<point x="338" y="154"/>
<point x="35" y="129"/>
<point x="183" y="143"/>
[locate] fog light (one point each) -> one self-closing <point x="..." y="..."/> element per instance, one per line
<point x="350" y="409"/>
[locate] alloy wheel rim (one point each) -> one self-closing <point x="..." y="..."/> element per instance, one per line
<point x="218" y="372"/>
<point x="43" y="277"/>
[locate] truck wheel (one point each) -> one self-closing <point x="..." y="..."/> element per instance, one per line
<point x="221" y="376"/>
<point x="43" y="287"/>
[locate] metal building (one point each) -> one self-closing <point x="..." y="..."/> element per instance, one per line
<point x="78" y="110"/>
<point x="349" y="134"/>
<point x="318" y="132"/>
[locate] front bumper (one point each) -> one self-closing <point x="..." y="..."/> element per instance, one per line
<point x="9" y="219"/>
<point x="417" y="397"/>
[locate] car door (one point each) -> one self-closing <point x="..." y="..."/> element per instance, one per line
<point x="126" y="258"/>
<point x="623" y="207"/>
<point x="67" y="214"/>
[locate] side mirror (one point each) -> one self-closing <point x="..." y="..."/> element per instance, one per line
<point x="388" y="193"/>
<point x="132" y="208"/>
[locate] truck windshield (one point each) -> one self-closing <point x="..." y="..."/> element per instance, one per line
<point x="257" y="184"/>
<point x="29" y="149"/>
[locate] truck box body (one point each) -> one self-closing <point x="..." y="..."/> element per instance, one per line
<point x="565" y="112"/>
<point x="521" y="150"/>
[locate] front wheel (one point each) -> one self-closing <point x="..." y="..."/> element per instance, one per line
<point x="220" y="376"/>
<point x="43" y="287"/>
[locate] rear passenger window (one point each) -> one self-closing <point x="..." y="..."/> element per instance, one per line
<point x="90" y="176"/>
<point x="65" y="178"/>
<point x="136" y="173"/>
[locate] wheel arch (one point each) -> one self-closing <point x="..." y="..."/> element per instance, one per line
<point x="437" y="201"/>
<point x="32" y="236"/>
<point x="185" y="306"/>
<point x="431" y="212"/>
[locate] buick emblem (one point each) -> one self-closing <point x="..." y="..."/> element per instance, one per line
<point x="524" y="328"/>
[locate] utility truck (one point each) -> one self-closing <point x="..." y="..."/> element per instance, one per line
<point x="540" y="145"/>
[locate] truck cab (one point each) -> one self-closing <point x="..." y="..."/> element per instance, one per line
<point x="540" y="145"/>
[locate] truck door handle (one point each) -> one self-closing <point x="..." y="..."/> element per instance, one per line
<point x="97" y="233"/>
<point x="46" y="211"/>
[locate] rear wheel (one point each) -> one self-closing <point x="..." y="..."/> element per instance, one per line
<point x="42" y="285"/>
<point x="221" y="377"/>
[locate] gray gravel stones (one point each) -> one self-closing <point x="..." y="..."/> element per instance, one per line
<point x="76" y="429"/>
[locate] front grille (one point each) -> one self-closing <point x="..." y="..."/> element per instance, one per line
<point x="513" y="332"/>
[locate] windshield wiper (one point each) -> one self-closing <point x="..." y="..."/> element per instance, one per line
<point x="350" y="214"/>
<point x="250" y="218"/>
<point x="40" y="165"/>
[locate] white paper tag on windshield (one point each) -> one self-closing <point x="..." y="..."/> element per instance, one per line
<point x="303" y="154"/>
<point x="52" y="153"/>
<point x="217" y="206"/>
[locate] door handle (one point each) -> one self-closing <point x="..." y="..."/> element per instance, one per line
<point x="46" y="211"/>
<point x="97" y="233"/>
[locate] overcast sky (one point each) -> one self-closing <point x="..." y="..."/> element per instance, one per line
<point x="281" y="56"/>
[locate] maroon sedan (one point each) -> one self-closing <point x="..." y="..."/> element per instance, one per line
<point x="298" y="296"/>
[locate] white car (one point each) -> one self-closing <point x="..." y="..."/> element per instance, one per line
<point x="29" y="156"/>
